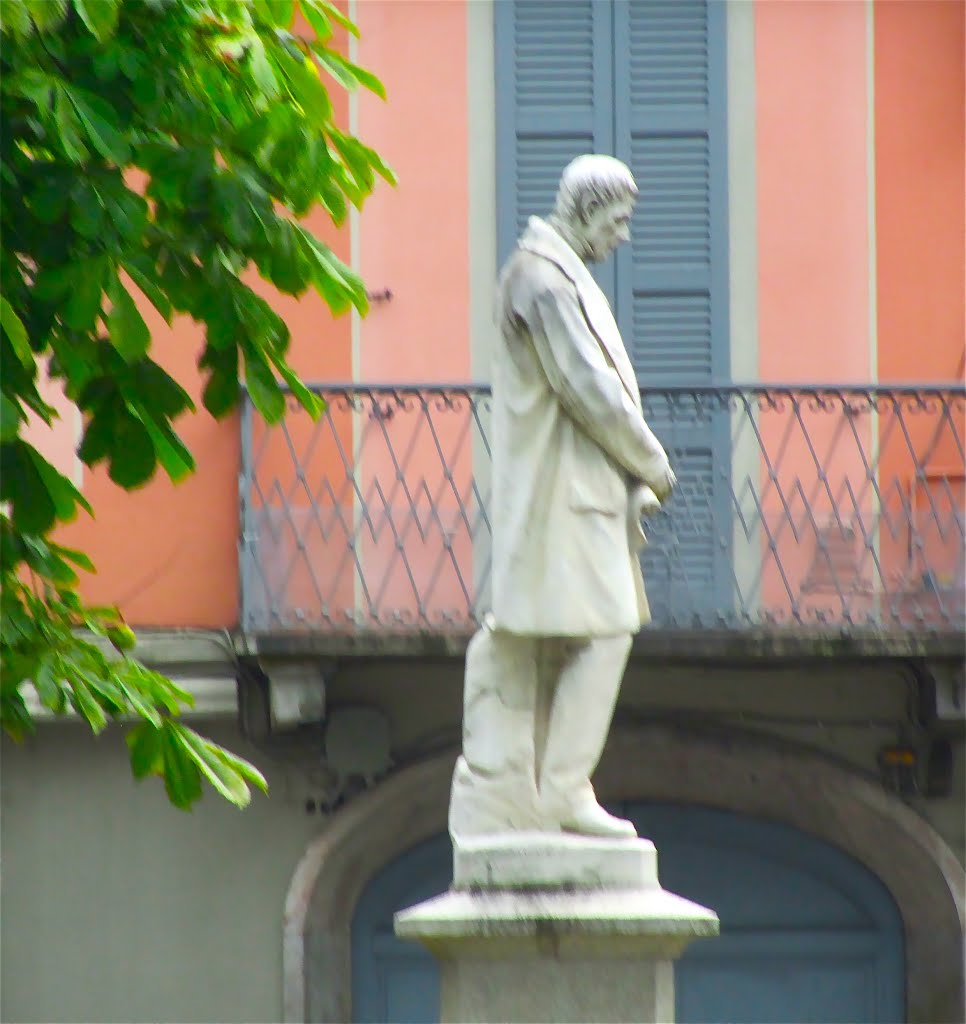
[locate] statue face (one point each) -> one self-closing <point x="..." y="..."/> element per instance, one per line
<point x="605" y="227"/>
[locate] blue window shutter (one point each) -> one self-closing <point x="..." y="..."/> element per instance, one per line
<point x="643" y="80"/>
<point x="672" y="281"/>
<point x="554" y="93"/>
<point x="670" y="129"/>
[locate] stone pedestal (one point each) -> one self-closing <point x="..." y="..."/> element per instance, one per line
<point x="556" y="928"/>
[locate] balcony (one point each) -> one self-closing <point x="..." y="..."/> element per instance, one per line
<point x="809" y="511"/>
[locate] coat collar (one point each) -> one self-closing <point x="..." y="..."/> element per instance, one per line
<point x="541" y="239"/>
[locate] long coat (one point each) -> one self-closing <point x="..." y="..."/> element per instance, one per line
<point x="569" y="442"/>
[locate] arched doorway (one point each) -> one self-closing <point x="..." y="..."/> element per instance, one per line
<point x="807" y="932"/>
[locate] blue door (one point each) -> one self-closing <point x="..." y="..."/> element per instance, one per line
<point x="807" y="933"/>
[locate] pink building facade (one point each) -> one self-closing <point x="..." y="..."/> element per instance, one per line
<point x="793" y="300"/>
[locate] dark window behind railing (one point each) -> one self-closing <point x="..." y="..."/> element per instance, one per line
<point x="835" y="508"/>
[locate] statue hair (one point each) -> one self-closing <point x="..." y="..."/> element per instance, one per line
<point x="592" y="178"/>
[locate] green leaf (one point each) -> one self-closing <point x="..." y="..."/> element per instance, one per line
<point x="100" y="679"/>
<point x="85" y="704"/>
<point x="122" y="637"/>
<point x="368" y="79"/>
<point x="77" y="557"/>
<point x="225" y="781"/>
<point x="65" y="495"/>
<point x="86" y="212"/>
<point x="144" y="744"/>
<point x="333" y="12"/>
<point x="315" y="16"/>
<point x="312" y="403"/>
<point x="278" y="13"/>
<point x="21" y="485"/>
<point x="170" y="449"/>
<point x="263" y="387"/>
<point x="54" y="283"/>
<point x="33" y="84"/>
<point x="335" y="65"/>
<point x="244" y="768"/>
<point x="287" y="269"/>
<point x="100" y="17"/>
<point x="340" y="286"/>
<point x="48" y="684"/>
<point x="98" y="439"/>
<point x="16" y="333"/>
<point x="11" y="416"/>
<point x="47" y="14"/>
<point x="15" y="18"/>
<point x="140" y="702"/>
<point x="182" y="779"/>
<point x="262" y="70"/>
<point x="158" y="389"/>
<point x="128" y="211"/>
<point x="38" y="493"/>
<point x="346" y="73"/>
<point x="128" y="332"/>
<point x="83" y="306"/>
<point x="43" y="560"/>
<point x="69" y="128"/>
<point x="308" y="91"/>
<point x="141" y="272"/>
<point x="98" y="118"/>
<point x="14" y="716"/>
<point x="132" y="458"/>
<point x="48" y="200"/>
<point x="163" y="692"/>
<point x="221" y="391"/>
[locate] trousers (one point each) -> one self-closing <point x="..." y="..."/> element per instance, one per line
<point x="536" y="712"/>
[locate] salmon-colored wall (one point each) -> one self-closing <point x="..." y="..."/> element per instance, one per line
<point x="813" y="255"/>
<point x="414" y="241"/>
<point x="920" y="188"/>
<point x="813" y="235"/>
<point x="168" y="554"/>
<point x="921" y="263"/>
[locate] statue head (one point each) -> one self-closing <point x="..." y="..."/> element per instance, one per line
<point x="595" y="201"/>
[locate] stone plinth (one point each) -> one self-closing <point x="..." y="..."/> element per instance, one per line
<point x="542" y="927"/>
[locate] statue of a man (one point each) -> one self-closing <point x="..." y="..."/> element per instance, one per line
<point x="574" y="468"/>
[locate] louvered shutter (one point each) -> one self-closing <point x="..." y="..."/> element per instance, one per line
<point x="672" y="280"/>
<point x="555" y="81"/>
<point x="645" y="81"/>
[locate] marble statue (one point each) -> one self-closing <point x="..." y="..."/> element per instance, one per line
<point x="575" y="466"/>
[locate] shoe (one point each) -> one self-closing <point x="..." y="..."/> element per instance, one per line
<point x="591" y="819"/>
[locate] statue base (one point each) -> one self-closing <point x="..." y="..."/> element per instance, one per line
<point x="555" y="927"/>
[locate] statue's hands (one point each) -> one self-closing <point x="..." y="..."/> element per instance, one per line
<point x="663" y="484"/>
<point x="644" y="502"/>
<point x="641" y="502"/>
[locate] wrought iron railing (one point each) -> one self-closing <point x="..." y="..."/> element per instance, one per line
<point x="829" y="508"/>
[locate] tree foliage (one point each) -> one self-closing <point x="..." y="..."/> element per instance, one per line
<point x="151" y="152"/>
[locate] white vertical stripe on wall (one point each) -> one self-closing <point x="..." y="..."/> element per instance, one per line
<point x="743" y="273"/>
<point x="873" y="300"/>
<point x="742" y="192"/>
<point x="481" y="237"/>
<point x="481" y="123"/>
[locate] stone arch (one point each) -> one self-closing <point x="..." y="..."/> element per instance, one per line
<point x="742" y="773"/>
